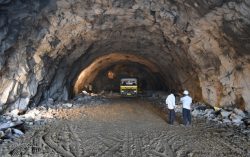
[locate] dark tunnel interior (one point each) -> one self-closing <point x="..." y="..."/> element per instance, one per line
<point x="108" y="79"/>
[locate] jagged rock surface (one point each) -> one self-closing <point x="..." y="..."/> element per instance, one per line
<point x="198" y="45"/>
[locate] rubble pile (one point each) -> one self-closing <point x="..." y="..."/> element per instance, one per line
<point x="14" y="123"/>
<point x="224" y="116"/>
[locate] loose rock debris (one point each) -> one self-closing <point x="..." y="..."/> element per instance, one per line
<point x="14" y="124"/>
<point x="124" y="127"/>
<point x="224" y="116"/>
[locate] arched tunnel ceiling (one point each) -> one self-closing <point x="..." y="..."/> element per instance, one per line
<point x="200" y="45"/>
<point x="89" y="73"/>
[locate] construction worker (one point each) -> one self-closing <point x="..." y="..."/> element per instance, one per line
<point x="186" y="101"/>
<point x="170" y="101"/>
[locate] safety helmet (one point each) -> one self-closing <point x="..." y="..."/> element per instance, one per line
<point x="185" y="92"/>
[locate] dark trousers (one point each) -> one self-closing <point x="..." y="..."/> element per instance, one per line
<point x="186" y="116"/>
<point x="171" y="118"/>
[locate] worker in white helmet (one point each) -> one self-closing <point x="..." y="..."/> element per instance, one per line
<point x="186" y="101"/>
<point x="170" y="101"/>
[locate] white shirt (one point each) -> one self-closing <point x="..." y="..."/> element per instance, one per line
<point x="186" y="102"/>
<point x="170" y="101"/>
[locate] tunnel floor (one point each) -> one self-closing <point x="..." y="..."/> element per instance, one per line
<point x="126" y="127"/>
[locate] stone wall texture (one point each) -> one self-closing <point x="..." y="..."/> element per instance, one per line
<point x="199" y="45"/>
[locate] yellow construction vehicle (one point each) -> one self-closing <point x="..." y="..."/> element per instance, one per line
<point x="128" y="87"/>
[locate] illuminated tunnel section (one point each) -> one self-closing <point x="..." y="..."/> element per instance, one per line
<point x="105" y="72"/>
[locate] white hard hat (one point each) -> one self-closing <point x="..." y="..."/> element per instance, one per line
<point x="185" y="92"/>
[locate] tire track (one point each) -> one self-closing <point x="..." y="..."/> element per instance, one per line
<point x="128" y="130"/>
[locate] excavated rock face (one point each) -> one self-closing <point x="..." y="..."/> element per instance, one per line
<point x="51" y="49"/>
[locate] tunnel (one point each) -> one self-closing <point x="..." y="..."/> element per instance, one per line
<point x="53" y="49"/>
<point x="106" y="72"/>
<point x="143" y="65"/>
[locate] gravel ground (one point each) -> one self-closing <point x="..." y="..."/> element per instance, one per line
<point x="126" y="127"/>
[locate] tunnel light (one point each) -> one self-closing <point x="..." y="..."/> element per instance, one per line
<point x="111" y="75"/>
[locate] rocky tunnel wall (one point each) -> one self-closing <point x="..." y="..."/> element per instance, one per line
<point x="199" y="45"/>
